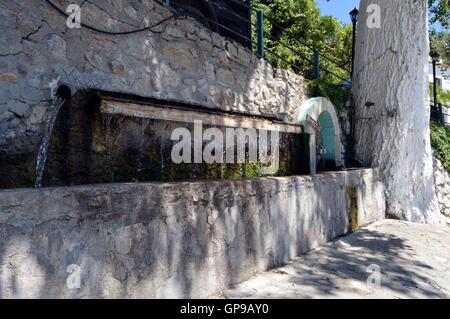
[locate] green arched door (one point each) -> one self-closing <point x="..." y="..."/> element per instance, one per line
<point x="327" y="140"/>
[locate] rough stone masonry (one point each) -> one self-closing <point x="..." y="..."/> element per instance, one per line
<point x="180" y="61"/>
<point x="442" y="184"/>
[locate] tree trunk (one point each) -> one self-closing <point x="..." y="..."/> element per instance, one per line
<point x="392" y="110"/>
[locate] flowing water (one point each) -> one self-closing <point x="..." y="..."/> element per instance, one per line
<point x="57" y="103"/>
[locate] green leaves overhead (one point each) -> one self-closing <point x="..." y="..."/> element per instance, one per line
<point x="440" y="42"/>
<point x="299" y="25"/>
<point x="439" y="12"/>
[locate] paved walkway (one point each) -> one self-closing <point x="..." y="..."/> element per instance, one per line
<point x="413" y="262"/>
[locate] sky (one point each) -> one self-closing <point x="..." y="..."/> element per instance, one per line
<point x="341" y="8"/>
<point x="338" y="8"/>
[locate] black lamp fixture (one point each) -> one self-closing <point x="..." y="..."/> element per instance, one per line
<point x="435" y="57"/>
<point x="354" y="15"/>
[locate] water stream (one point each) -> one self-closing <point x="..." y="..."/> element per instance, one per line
<point x="57" y="103"/>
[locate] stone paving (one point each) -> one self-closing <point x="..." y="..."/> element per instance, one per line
<point x="412" y="260"/>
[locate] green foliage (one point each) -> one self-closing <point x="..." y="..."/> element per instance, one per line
<point x="443" y="97"/>
<point x="439" y="12"/>
<point x="440" y="141"/>
<point x="337" y="95"/>
<point x="302" y="22"/>
<point x="439" y="42"/>
<point x="241" y="170"/>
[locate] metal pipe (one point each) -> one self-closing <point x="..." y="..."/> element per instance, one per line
<point x="260" y="32"/>
<point x="353" y="48"/>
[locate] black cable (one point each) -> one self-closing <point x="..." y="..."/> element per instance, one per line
<point x="303" y="57"/>
<point x="305" y="44"/>
<point x="335" y="75"/>
<point x="290" y="48"/>
<point x="149" y="28"/>
<point x="60" y="11"/>
<point x="272" y="21"/>
<point x="276" y="25"/>
<point x="237" y="15"/>
<point x="241" y="3"/>
<point x="208" y="19"/>
<point x="271" y="52"/>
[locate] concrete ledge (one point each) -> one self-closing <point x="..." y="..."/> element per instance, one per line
<point x="187" y="239"/>
<point x="148" y="111"/>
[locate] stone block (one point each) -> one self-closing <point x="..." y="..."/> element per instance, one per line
<point x="171" y="240"/>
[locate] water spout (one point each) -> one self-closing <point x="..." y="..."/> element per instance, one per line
<point x="58" y="101"/>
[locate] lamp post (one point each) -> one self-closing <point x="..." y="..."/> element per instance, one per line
<point x="434" y="59"/>
<point x="351" y="152"/>
<point x="354" y="16"/>
<point x="249" y="25"/>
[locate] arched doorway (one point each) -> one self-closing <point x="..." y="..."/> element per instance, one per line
<point x="321" y="126"/>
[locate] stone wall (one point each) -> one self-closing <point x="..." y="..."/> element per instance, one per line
<point x="180" y="61"/>
<point x="442" y="184"/>
<point x="172" y="239"/>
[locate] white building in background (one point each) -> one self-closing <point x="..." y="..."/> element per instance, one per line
<point x="443" y="77"/>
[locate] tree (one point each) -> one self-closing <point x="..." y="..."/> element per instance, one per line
<point x="299" y="25"/>
<point x="440" y="39"/>
<point x="439" y="42"/>
<point x="392" y="108"/>
<point x="439" y="12"/>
